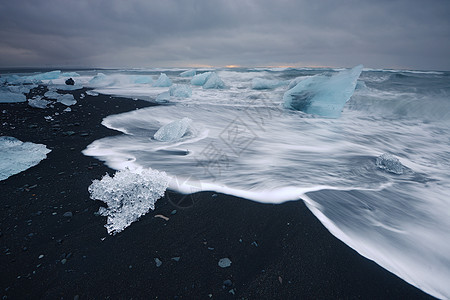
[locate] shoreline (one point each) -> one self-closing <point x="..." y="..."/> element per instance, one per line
<point x="277" y="251"/>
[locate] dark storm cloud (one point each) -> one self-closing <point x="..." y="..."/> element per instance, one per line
<point x="411" y="34"/>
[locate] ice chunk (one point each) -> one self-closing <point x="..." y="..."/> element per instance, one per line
<point x="24" y="89"/>
<point x="360" y="85"/>
<point x="66" y="99"/>
<point x="214" y="82"/>
<point x="128" y="195"/>
<point x="17" y="156"/>
<point x="200" y="79"/>
<point x="162" y="81"/>
<point x="389" y="163"/>
<point x="323" y="95"/>
<point x="91" y="93"/>
<point x="173" y="131"/>
<point x="180" y="91"/>
<point x="224" y="262"/>
<point x="188" y="73"/>
<point x="38" y="102"/>
<point x="8" y="97"/>
<point x="163" y="97"/>
<point x="262" y="84"/>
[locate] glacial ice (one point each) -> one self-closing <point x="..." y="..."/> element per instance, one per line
<point x="180" y="91"/>
<point x="163" y="81"/>
<point x="163" y="97"/>
<point x="188" y="73"/>
<point x="214" y="82"/>
<point x="173" y="131"/>
<point x="37" y="78"/>
<point x="91" y="93"/>
<point x="99" y="80"/>
<point x="200" y="79"/>
<point x="264" y="84"/>
<point x="389" y="163"/>
<point x="141" y="79"/>
<point x="323" y="95"/>
<point x="7" y="96"/>
<point x="17" y="156"/>
<point x="66" y="99"/>
<point x="38" y="102"/>
<point x="128" y="195"/>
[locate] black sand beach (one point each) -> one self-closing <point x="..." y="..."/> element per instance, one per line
<point x="277" y="251"/>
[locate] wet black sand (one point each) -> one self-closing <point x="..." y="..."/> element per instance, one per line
<point x="277" y="251"/>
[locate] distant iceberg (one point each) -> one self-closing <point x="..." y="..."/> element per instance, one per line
<point x="264" y="84"/>
<point x="173" y="131"/>
<point x="128" y="195"/>
<point x="163" y="81"/>
<point x="323" y="95"/>
<point x="17" y="156"/>
<point x="188" y="73"/>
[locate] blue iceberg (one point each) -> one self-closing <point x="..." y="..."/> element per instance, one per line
<point x="173" y="131"/>
<point x="180" y="91"/>
<point x="163" y="81"/>
<point x="266" y="84"/>
<point x="214" y="82"/>
<point x="163" y="97"/>
<point x="188" y="73"/>
<point x="200" y="79"/>
<point x="323" y="95"/>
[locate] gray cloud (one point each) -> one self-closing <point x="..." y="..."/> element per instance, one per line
<point x="142" y="33"/>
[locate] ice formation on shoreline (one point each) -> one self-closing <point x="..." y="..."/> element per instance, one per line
<point x="188" y="73"/>
<point x="163" y="81"/>
<point x="180" y="91"/>
<point x="128" y="196"/>
<point x="17" y="156"/>
<point x="173" y="131"/>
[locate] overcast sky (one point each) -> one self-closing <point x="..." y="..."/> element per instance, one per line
<point x="168" y="33"/>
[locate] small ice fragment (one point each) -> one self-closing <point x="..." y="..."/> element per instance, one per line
<point x="173" y="131"/>
<point x="158" y="262"/>
<point x="163" y="81"/>
<point x="214" y="82"/>
<point x="224" y="262"/>
<point x="91" y="93"/>
<point x="128" y="195"/>
<point x="68" y="109"/>
<point x="180" y="91"/>
<point x="38" y="102"/>
<point x="389" y="163"/>
<point x="177" y="258"/>
<point x="188" y="73"/>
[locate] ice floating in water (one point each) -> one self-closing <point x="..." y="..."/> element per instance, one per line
<point x="200" y="79"/>
<point x="188" y="73"/>
<point x="214" y="82"/>
<point x="163" y="81"/>
<point x="38" y="102"/>
<point x="263" y="84"/>
<point x="7" y="96"/>
<point x="17" y="156"/>
<point x="389" y="163"/>
<point x="323" y="95"/>
<point x="128" y="195"/>
<point x="180" y="91"/>
<point x="36" y="78"/>
<point x="173" y="131"/>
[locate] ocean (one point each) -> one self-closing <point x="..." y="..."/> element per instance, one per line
<point x="373" y="167"/>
